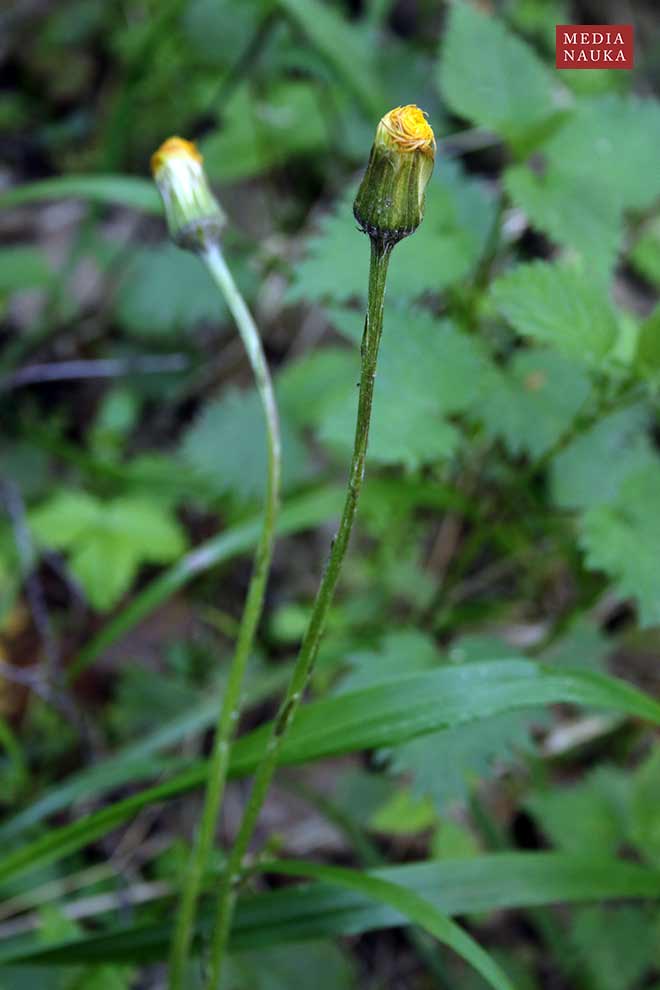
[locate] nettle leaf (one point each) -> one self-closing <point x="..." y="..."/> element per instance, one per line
<point x="165" y="290"/>
<point x="406" y="651"/>
<point x="590" y="469"/>
<point x="226" y="446"/>
<point x="589" y="817"/>
<point x="427" y="370"/>
<point x="622" y="538"/>
<point x="108" y="540"/>
<point x="534" y="401"/>
<point x="571" y="210"/>
<point x="444" y="764"/>
<point x="582" y="208"/>
<point x="315" y="383"/>
<point x="507" y="88"/>
<point x="559" y="306"/>
<point x="458" y="217"/>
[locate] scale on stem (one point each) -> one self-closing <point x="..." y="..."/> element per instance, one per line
<point x="195" y="222"/>
<point x="389" y="206"/>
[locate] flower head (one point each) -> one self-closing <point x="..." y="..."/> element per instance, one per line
<point x="193" y="214"/>
<point x="390" y="201"/>
<point x="406" y="129"/>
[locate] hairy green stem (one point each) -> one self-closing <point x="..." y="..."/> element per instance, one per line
<point x="230" y="705"/>
<point x="380" y="254"/>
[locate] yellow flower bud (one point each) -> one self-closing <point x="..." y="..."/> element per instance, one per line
<point x="390" y="201"/>
<point x="194" y="217"/>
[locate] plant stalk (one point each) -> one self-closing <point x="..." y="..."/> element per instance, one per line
<point x="228" y="714"/>
<point x="380" y="254"/>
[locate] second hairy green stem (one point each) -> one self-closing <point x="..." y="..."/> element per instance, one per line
<point x="380" y="254"/>
<point x="230" y="706"/>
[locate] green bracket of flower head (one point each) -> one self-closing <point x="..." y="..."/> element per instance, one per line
<point x="194" y="217"/>
<point x="390" y="201"/>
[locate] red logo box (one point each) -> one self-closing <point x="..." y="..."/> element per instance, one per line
<point x="595" y="46"/>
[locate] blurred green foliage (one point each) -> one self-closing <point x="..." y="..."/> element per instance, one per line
<point x="510" y="509"/>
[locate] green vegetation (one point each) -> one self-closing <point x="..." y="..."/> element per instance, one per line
<point x="468" y="793"/>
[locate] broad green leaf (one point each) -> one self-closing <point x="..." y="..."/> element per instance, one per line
<point x="571" y="210"/>
<point x="300" y="514"/>
<point x="411" y="905"/>
<point x="425" y="371"/>
<point x="108" y="541"/>
<point x="23" y="268"/>
<point x="644" y="810"/>
<point x="380" y="716"/>
<point x="164" y="291"/>
<point x="458" y="218"/>
<point x="590" y="469"/>
<point x="622" y="538"/>
<point x="370" y="668"/>
<point x="558" y="306"/>
<point x="586" y="818"/>
<point x="647" y="359"/>
<point x="63" y="520"/>
<point x="533" y="402"/>
<point x="457" y="887"/>
<point x="258" y="134"/>
<point x="138" y="194"/>
<point x="226" y="447"/>
<point x="505" y="87"/>
<point x="645" y="255"/>
<point x="582" y="208"/>
<point x="616" y="946"/>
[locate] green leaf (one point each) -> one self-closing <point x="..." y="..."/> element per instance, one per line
<point x="226" y="447"/>
<point x="618" y="136"/>
<point x="458" y="218"/>
<point x="341" y="44"/>
<point x="413" y="907"/>
<point x="380" y="716"/>
<point x="425" y="372"/>
<point x="138" y="194"/>
<point x="506" y="88"/>
<point x="164" y="291"/>
<point x="645" y="255"/>
<point x="302" y="513"/>
<point x="644" y="810"/>
<point x="571" y="210"/>
<point x="476" y="884"/>
<point x="616" y="946"/>
<point x="559" y="306"/>
<point x="63" y="520"/>
<point x="259" y="134"/>
<point x="588" y="818"/>
<point x="23" y="268"/>
<point x="590" y="470"/>
<point x="108" y="540"/>
<point x="533" y="402"/>
<point x="647" y="358"/>
<point x="286" y="966"/>
<point x="622" y="538"/>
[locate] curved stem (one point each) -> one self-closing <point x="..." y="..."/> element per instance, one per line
<point x="373" y="326"/>
<point x="230" y="706"/>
